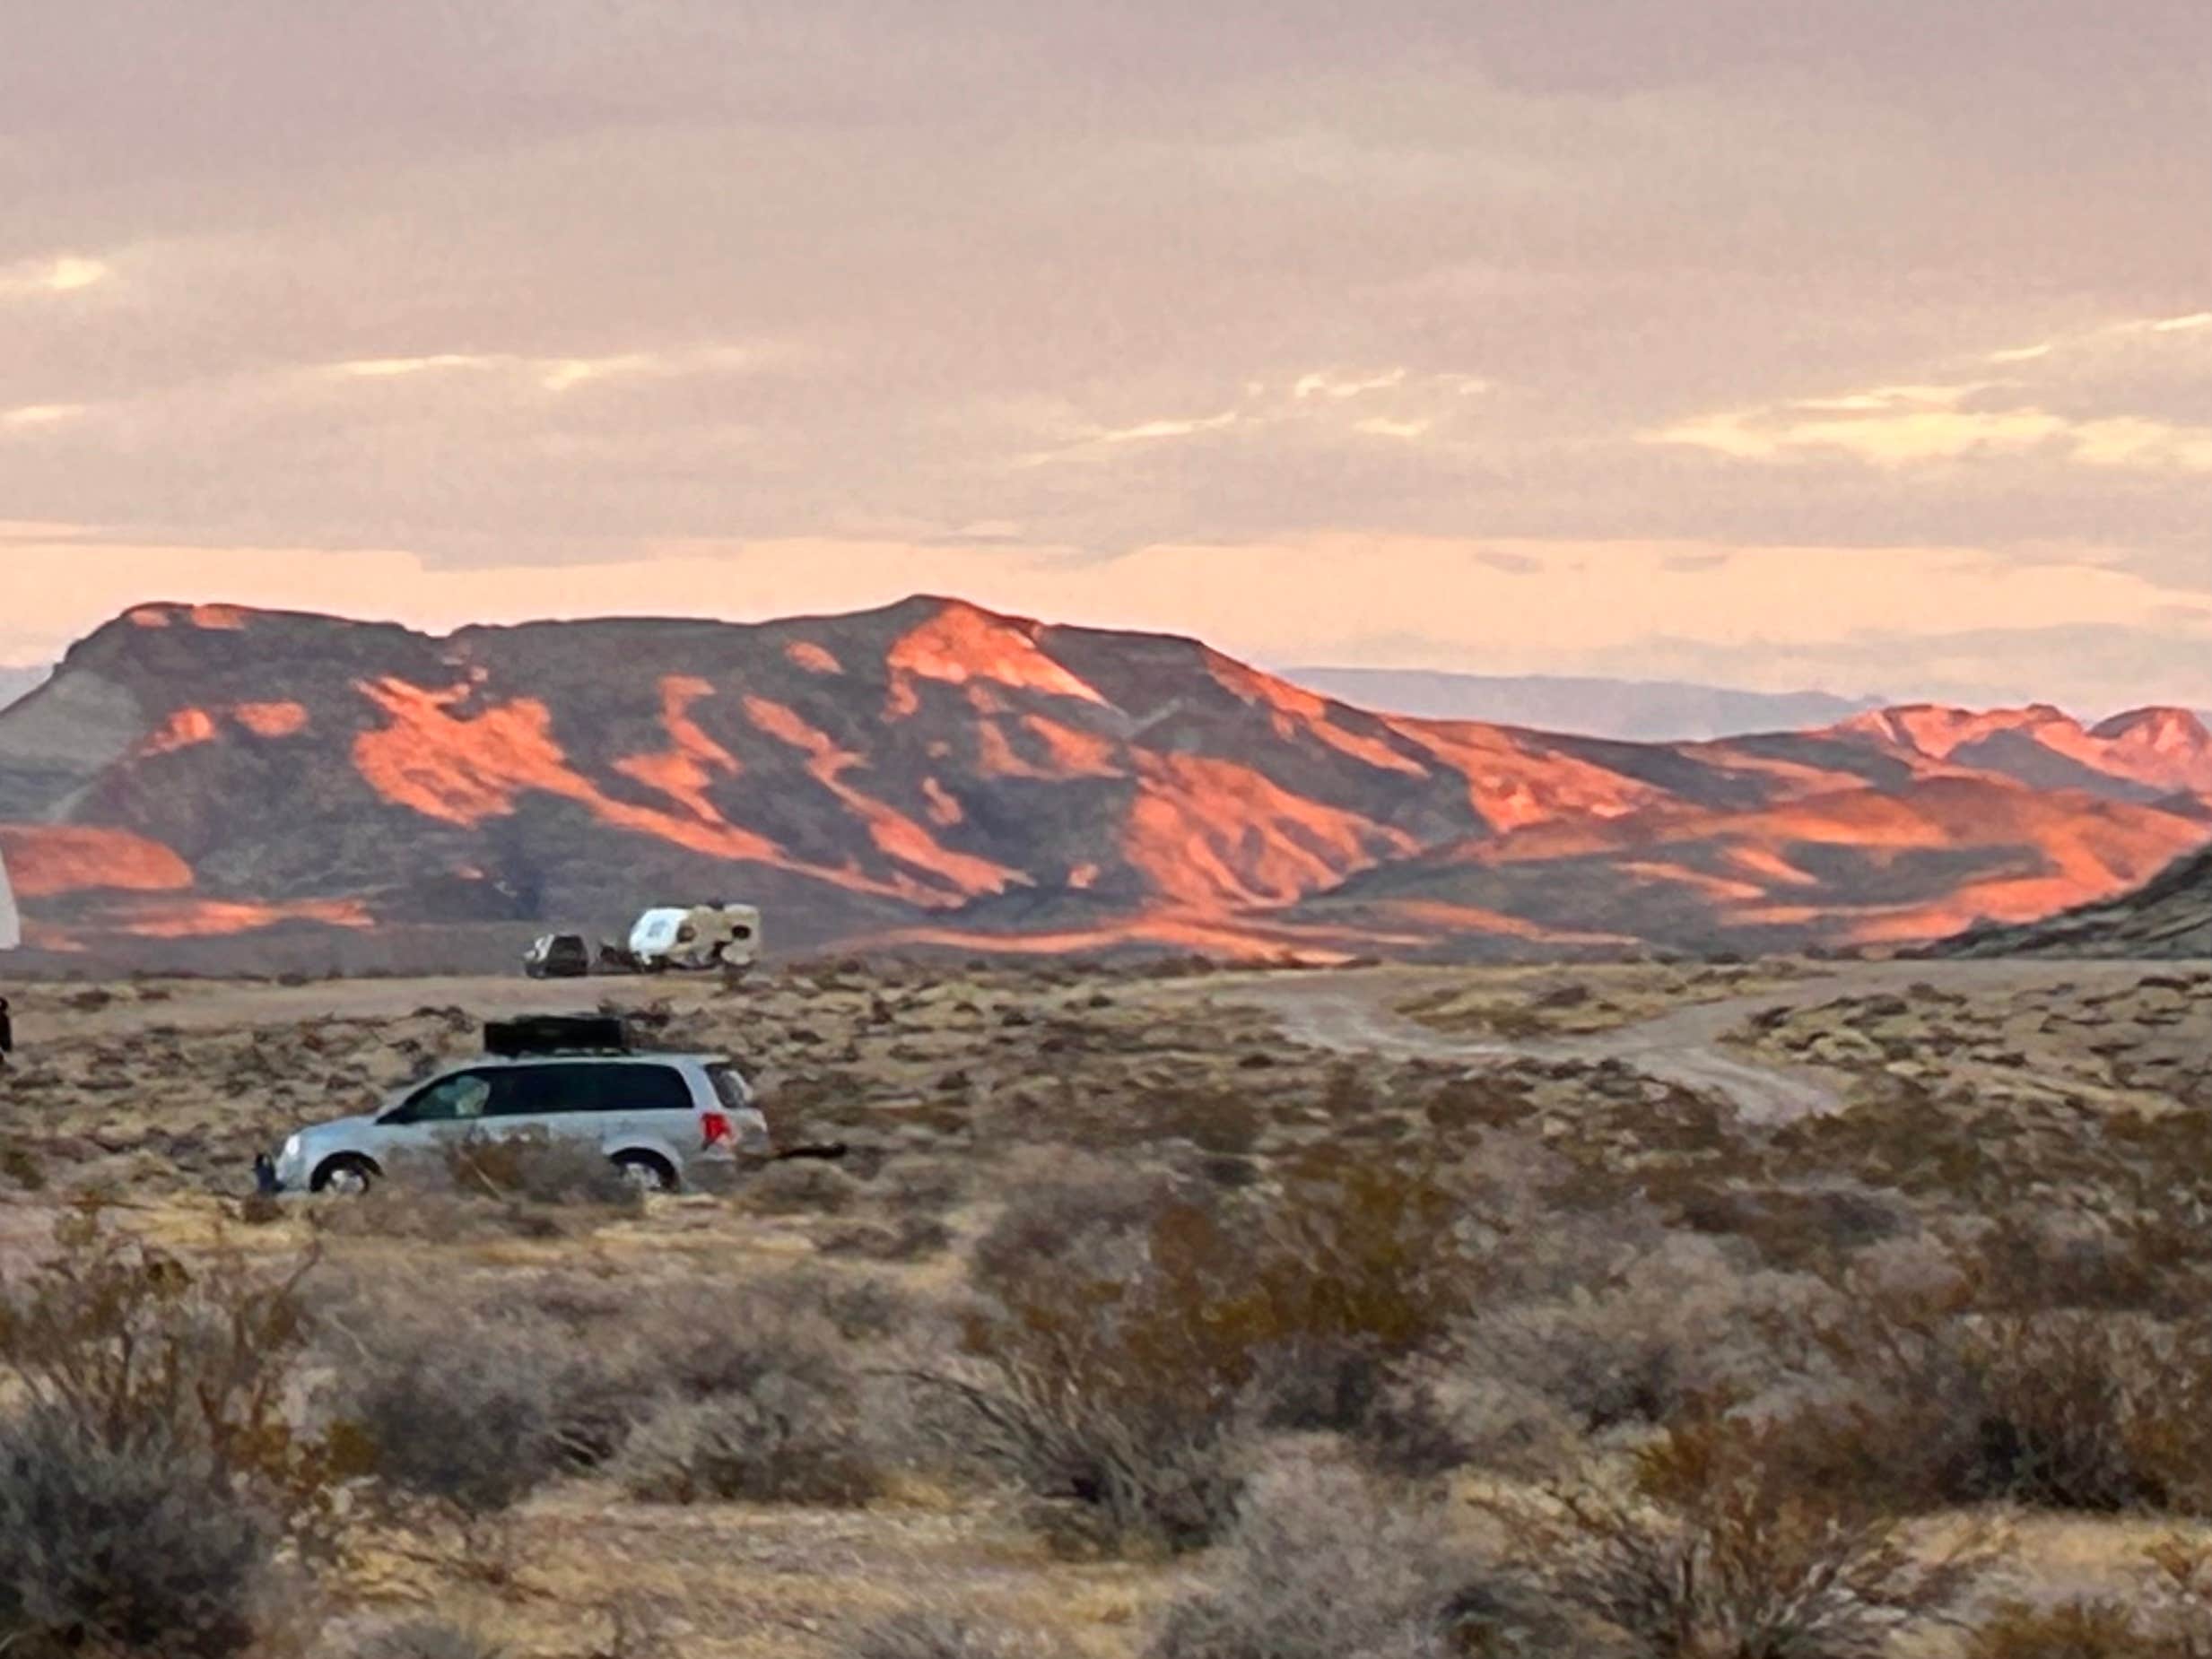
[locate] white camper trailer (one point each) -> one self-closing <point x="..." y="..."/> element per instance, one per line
<point x="697" y="937"/>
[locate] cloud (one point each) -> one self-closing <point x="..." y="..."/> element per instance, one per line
<point x="1320" y="384"/>
<point x="1171" y="427"/>
<point x="573" y="371"/>
<point x="2058" y="405"/>
<point x="1897" y="427"/>
<point x="1319" y="408"/>
<point x="64" y="275"/>
<point x="393" y="368"/>
<point x="28" y="415"/>
<point x="2127" y="442"/>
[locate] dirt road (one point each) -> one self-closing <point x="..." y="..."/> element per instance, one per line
<point x="1356" y="1012"/>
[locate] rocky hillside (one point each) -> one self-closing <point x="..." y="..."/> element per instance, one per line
<point x="932" y="773"/>
<point x="2170" y="916"/>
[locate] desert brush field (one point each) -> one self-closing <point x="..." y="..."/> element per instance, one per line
<point x="1787" y="1310"/>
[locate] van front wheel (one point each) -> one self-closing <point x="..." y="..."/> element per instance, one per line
<point x="348" y="1173"/>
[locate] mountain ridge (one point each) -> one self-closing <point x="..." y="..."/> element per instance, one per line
<point x="934" y="772"/>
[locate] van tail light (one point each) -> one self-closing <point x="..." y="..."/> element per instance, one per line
<point x="717" y="1128"/>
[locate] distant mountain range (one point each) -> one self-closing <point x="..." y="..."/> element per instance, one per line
<point x="1636" y="710"/>
<point x="935" y="774"/>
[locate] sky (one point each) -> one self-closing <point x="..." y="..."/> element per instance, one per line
<point x="1863" y="345"/>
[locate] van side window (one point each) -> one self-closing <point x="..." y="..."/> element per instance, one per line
<point x="642" y="1088"/>
<point x="566" y="1088"/>
<point x="527" y="1092"/>
<point x="459" y="1099"/>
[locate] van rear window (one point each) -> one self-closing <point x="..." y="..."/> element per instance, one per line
<point x="729" y="1088"/>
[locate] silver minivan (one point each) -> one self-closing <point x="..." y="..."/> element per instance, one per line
<point x="654" y="1114"/>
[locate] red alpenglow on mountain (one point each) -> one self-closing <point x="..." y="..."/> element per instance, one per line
<point x="934" y="774"/>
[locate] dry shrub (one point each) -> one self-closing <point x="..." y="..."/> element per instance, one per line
<point x="485" y="1187"/>
<point x="1478" y="1101"/>
<point x="943" y="1633"/>
<point x="1069" y="1207"/>
<point x="911" y="1185"/>
<point x="150" y="1468"/>
<point x="416" y="1203"/>
<point x="902" y="1239"/>
<point x="709" y="1335"/>
<point x="1129" y="1399"/>
<point x="132" y="1346"/>
<point x="2169" y="1617"/>
<point x="463" y="1416"/>
<point x="1539" y="1238"/>
<point x="1944" y="1405"/>
<point x="1108" y="1471"/>
<point x="137" y="1545"/>
<point x="538" y="1169"/>
<point x="799" y="1186"/>
<point x="20" y="1165"/>
<point x="1796" y="1229"/>
<point x="787" y="1439"/>
<point x="1212" y="1119"/>
<point x="1670" y="1327"/>
<point x="2035" y="1261"/>
<point x="425" y="1638"/>
<point x="1718" y="1549"/>
<point x="471" y="1405"/>
<point x="2103" y="1630"/>
<point x="1322" y="1565"/>
<point x="1394" y="1414"/>
<point x="763" y="1400"/>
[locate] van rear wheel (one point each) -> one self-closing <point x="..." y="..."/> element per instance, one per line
<point x="649" y="1171"/>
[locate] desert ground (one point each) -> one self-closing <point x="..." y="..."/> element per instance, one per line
<point x="1176" y="1312"/>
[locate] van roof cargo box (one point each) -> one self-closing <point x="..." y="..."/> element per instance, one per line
<point x="552" y="1034"/>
